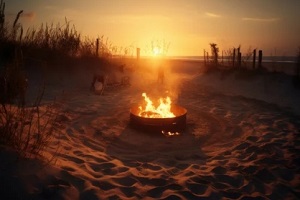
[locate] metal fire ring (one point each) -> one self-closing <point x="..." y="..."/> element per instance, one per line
<point x="177" y="123"/>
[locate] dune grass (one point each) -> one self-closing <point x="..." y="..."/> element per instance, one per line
<point x="28" y="129"/>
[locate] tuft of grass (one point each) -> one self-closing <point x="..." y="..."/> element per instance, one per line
<point x="58" y="45"/>
<point x="26" y="129"/>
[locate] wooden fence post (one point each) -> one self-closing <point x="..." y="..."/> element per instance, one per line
<point x="239" y="59"/>
<point x="254" y="58"/>
<point x="260" y="54"/>
<point x="207" y="57"/>
<point x="204" y="57"/>
<point x="97" y="47"/>
<point x="233" y="58"/>
<point x="222" y="59"/>
<point x="138" y="50"/>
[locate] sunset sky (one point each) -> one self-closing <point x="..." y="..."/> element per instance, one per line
<point x="188" y="25"/>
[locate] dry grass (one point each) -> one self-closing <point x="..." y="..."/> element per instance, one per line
<point x="28" y="130"/>
<point x="25" y="129"/>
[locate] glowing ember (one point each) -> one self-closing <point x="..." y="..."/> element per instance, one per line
<point x="169" y="133"/>
<point x="163" y="110"/>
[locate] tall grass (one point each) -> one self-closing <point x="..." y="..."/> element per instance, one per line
<point x="25" y="129"/>
<point x="52" y="43"/>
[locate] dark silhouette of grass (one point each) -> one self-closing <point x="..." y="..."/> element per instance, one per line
<point x="58" y="44"/>
<point x="28" y="129"/>
<point x="25" y="129"/>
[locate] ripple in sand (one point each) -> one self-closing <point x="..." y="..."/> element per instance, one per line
<point x="252" y="138"/>
<point x="282" y="191"/>
<point x="193" y="166"/>
<point x="174" y="186"/>
<point x="284" y="174"/>
<point x="131" y="163"/>
<point x="91" y="158"/>
<point x="122" y="169"/>
<point x="104" y="185"/>
<point x="231" y="194"/>
<point x="151" y="166"/>
<point x="112" y="197"/>
<point x="158" y="182"/>
<point x="242" y="146"/>
<point x="58" y="192"/>
<point x="128" y="191"/>
<point x="67" y="168"/>
<point x="202" y="179"/>
<point x="251" y="157"/>
<point x="172" y="197"/>
<point x="258" y="186"/>
<point x="125" y="181"/>
<point x="189" y="173"/>
<point x="93" y="145"/>
<point x="198" y="189"/>
<point x="252" y="198"/>
<point x="220" y="186"/>
<point x="219" y="170"/>
<point x="78" y="153"/>
<point x="174" y="171"/>
<point x="182" y="166"/>
<point x="89" y="194"/>
<point x="189" y="195"/>
<point x="155" y="192"/>
<point x="72" y="159"/>
<point x="102" y="166"/>
<point x="235" y="181"/>
<point x="271" y="161"/>
<point x="253" y="149"/>
<point x="250" y="169"/>
<point x="265" y="176"/>
<point x="79" y="183"/>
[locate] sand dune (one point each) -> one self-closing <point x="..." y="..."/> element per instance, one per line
<point x="241" y="142"/>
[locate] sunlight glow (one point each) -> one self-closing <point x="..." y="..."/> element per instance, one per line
<point x="156" y="51"/>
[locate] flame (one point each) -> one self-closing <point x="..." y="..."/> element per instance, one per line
<point x="163" y="110"/>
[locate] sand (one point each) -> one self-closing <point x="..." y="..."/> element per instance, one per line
<point x="241" y="141"/>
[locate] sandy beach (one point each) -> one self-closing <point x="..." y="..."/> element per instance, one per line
<point x="241" y="140"/>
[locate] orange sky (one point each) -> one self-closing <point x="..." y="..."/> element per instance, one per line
<point x="188" y="25"/>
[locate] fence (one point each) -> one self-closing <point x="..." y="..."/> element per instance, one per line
<point x="235" y="60"/>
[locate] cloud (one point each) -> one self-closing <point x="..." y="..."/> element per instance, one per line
<point x="209" y="14"/>
<point x="28" y="15"/>
<point x="260" y="19"/>
<point x="24" y="15"/>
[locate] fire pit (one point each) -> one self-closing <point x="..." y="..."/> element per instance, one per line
<point x="164" y="118"/>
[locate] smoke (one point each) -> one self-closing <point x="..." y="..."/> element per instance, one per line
<point x="146" y="79"/>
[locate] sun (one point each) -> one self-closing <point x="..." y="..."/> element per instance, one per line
<point x="156" y="51"/>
